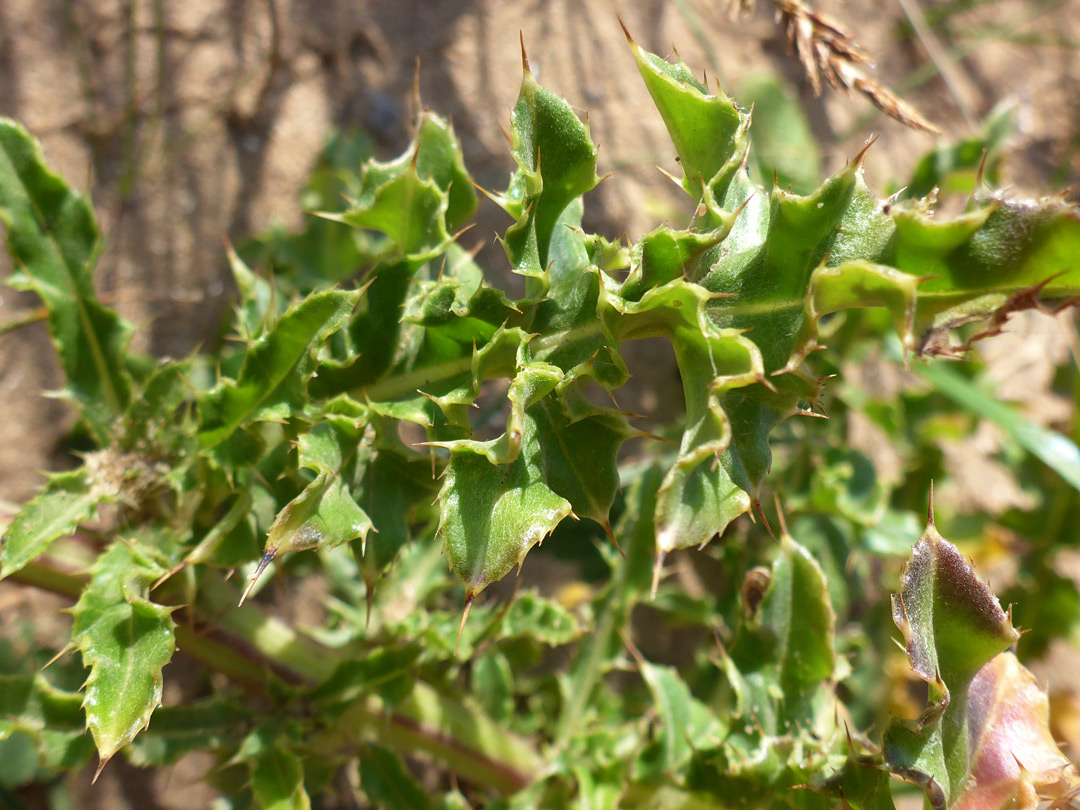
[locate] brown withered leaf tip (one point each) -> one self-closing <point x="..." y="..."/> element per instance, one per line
<point x="935" y="343"/>
<point x="825" y="48"/>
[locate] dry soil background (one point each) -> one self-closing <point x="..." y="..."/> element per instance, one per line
<point x="190" y="121"/>
<point x="187" y="122"/>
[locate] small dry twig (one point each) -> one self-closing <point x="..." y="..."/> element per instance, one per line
<point x="826" y="49"/>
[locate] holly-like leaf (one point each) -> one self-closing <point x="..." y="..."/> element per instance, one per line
<point x="579" y="455"/>
<point x="54" y="241"/>
<point x="418" y="199"/>
<point x="493" y="514"/>
<point x="67" y="500"/>
<point x="791" y="630"/>
<point x="556" y="162"/>
<point x="271" y="385"/>
<point x="982" y="741"/>
<point x="709" y="132"/>
<point x="125" y="641"/>
<point x="324" y="514"/>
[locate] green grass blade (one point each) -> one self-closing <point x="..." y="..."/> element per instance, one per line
<point x="1049" y="446"/>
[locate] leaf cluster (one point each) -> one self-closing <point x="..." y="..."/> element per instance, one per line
<point x="347" y="417"/>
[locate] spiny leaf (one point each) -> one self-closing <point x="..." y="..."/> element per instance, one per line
<point x="493" y="514"/>
<point x="271" y="385"/>
<point x="67" y="500"/>
<point x="54" y="240"/>
<point x="793" y="627"/>
<point x="579" y="456"/>
<point x="784" y="657"/>
<point x="556" y="162"/>
<point x="418" y="199"/>
<point x="782" y="261"/>
<point x="1014" y="758"/>
<point x="981" y="704"/>
<point x="323" y="514"/>
<point x="70" y="498"/>
<point x="709" y="132"/>
<point x="125" y="640"/>
<point x="952" y="623"/>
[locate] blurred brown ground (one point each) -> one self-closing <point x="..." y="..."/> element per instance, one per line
<point x="189" y="122"/>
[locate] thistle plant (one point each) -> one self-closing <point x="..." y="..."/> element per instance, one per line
<point x="336" y="437"/>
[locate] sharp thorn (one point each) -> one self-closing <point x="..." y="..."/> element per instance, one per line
<point x="761" y="514"/>
<point x="614" y="542"/>
<point x="780" y="515"/>
<point x="464" y="617"/>
<point x="658" y="567"/>
<point x="267" y="558"/>
<point x="524" y="56"/>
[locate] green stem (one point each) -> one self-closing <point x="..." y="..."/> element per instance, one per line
<point x="458" y="735"/>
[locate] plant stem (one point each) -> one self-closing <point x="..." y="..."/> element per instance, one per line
<point x="446" y="729"/>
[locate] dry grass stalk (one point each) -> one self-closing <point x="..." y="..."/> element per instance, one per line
<point x="826" y="49"/>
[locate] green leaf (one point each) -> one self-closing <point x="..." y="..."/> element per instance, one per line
<point x="491" y="515"/>
<point x="324" y="514"/>
<point x="387" y="783"/>
<point x="54" y="241"/>
<point x="709" y="132"/>
<point x="782" y="666"/>
<point x="277" y="779"/>
<point x="1014" y="758"/>
<point x="1055" y="450"/>
<point x="780" y="262"/>
<point x="271" y="385"/>
<point x="493" y="686"/>
<point x="418" y="198"/>
<point x="578" y="455"/>
<point x="125" y="641"/>
<point x="67" y="500"/>
<point x="793" y="627"/>
<point x="953" y="627"/>
<point x="556" y="162"/>
<point x="686" y="723"/>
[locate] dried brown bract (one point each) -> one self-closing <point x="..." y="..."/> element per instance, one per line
<point x="826" y="49"/>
